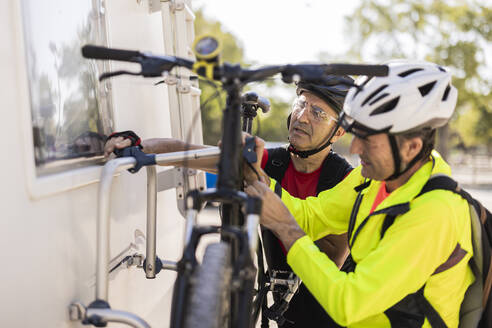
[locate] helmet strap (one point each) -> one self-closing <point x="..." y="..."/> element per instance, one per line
<point x="397" y="159"/>
<point x="307" y="153"/>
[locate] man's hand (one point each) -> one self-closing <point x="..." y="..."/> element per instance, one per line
<point x="249" y="174"/>
<point x="116" y="143"/>
<point x="275" y="215"/>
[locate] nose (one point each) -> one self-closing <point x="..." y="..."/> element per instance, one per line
<point x="356" y="146"/>
<point x="303" y="115"/>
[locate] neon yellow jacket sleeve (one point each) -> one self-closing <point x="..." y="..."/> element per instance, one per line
<point x="329" y="212"/>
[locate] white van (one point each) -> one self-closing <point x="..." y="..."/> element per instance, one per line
<point x="55" y="116"/>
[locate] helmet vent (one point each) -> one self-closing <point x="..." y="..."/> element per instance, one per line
<point x="426" y="88"/>
<point x="410" y="71"/>
<point x="360" y="87"/>
<point x="378" y="98"/>
<point x="446" y="93"/>
<point x="441" y="69"/>
<point x="386" y="107"/>
<point x="374" y="93"/>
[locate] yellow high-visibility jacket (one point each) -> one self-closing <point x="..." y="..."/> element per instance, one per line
<point x="387" y="269"/>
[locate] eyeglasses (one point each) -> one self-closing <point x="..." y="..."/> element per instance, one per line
<point x="315" y="112"/>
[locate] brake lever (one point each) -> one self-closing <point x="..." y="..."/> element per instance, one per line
<point x="107" y="75"/>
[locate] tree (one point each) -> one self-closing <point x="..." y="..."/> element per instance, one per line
<point x="266" y="126"/>
<point x="450" y="33"/>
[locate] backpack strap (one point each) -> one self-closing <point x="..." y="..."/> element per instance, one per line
<point x="440" y="181"/>
<point x="355" y="209"/>
<point x="392" y="211"/>
<point x="388" y="221"/>
<point x="481" y="221"/>
<point x="277" y="162"/>
<point x="278" y="189"/>
<point x="431" y="314"/>
<point x="333" y="170"/>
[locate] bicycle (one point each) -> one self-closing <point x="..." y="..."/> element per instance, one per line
<point x="219" y="292"/>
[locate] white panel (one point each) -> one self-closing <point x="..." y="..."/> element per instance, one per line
<point x="178" y="18"/>
<point x="49" y="243"/>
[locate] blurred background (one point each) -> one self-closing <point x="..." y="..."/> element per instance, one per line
<point x="453" y="33"/>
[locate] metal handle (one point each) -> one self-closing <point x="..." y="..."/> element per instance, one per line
<point x="181" y="156"/>
<point x="150" y="263"/>
<point x="103" y="222"/>
<point x="108" y="315"/>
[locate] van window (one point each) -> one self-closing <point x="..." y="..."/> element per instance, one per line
<point x="71" y="111"/>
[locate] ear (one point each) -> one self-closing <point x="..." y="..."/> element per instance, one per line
<point x="410" y="148"/>
<point x="340" y="133"/>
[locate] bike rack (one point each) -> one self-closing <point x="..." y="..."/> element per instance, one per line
<point x="99" y="313"/>
<point x="153" y="187"/>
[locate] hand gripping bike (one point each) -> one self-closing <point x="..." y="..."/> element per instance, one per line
<point x="219" y="291"/>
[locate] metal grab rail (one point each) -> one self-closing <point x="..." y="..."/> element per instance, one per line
<point x="150" y="256"/>
<point x="108" y="315"/>
<point x="101" y="316"/>
<point x="102" y="313"/>
<point x="153" y="264"/>
<point x="186" y="156"/>
<point x="103" y="222"/>
<point x="103" y="218"/>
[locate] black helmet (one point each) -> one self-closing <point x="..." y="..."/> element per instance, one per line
<point x="332" y="89"/>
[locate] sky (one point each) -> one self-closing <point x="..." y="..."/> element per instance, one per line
<point x="308" y="27"/>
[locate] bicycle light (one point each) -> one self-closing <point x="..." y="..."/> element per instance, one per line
<point x="207" y="51"/>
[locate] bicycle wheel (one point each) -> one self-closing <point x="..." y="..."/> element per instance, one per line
<point x="209" y="298"/>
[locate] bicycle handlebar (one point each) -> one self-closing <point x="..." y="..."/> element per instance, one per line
<point x="153" y="66"/>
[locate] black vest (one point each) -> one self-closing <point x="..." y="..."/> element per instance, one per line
<point x="304" y="310"/>
<point x="333" y="169"/>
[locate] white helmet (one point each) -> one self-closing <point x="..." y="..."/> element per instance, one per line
<point x="414" y="95"/>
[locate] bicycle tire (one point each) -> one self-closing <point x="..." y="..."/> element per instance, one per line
<point x="209" y="297"/>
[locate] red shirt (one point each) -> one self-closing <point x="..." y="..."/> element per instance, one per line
<point x="298" y="184"/>
<point x="382" y="194"/>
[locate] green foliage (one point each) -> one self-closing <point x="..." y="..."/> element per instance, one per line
<point x="450" y="33"/>
<point x="212" y="102"/>
<point x="273" y="125"/>
<point x="270" y="126"/>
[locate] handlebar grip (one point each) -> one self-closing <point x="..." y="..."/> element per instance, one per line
<point x="97" y="52"/>
<point x="351" y="69"/>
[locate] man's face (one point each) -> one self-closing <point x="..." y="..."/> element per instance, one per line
<point x="375" y="156"/>
<point x="311" y="123"/>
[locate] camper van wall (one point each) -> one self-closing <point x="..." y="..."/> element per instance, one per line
<point x="54" y="115"/>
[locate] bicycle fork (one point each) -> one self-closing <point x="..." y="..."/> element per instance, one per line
<point x="244" y="271"/>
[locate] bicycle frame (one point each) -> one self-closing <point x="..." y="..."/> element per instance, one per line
<point x="229" y="193"/>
